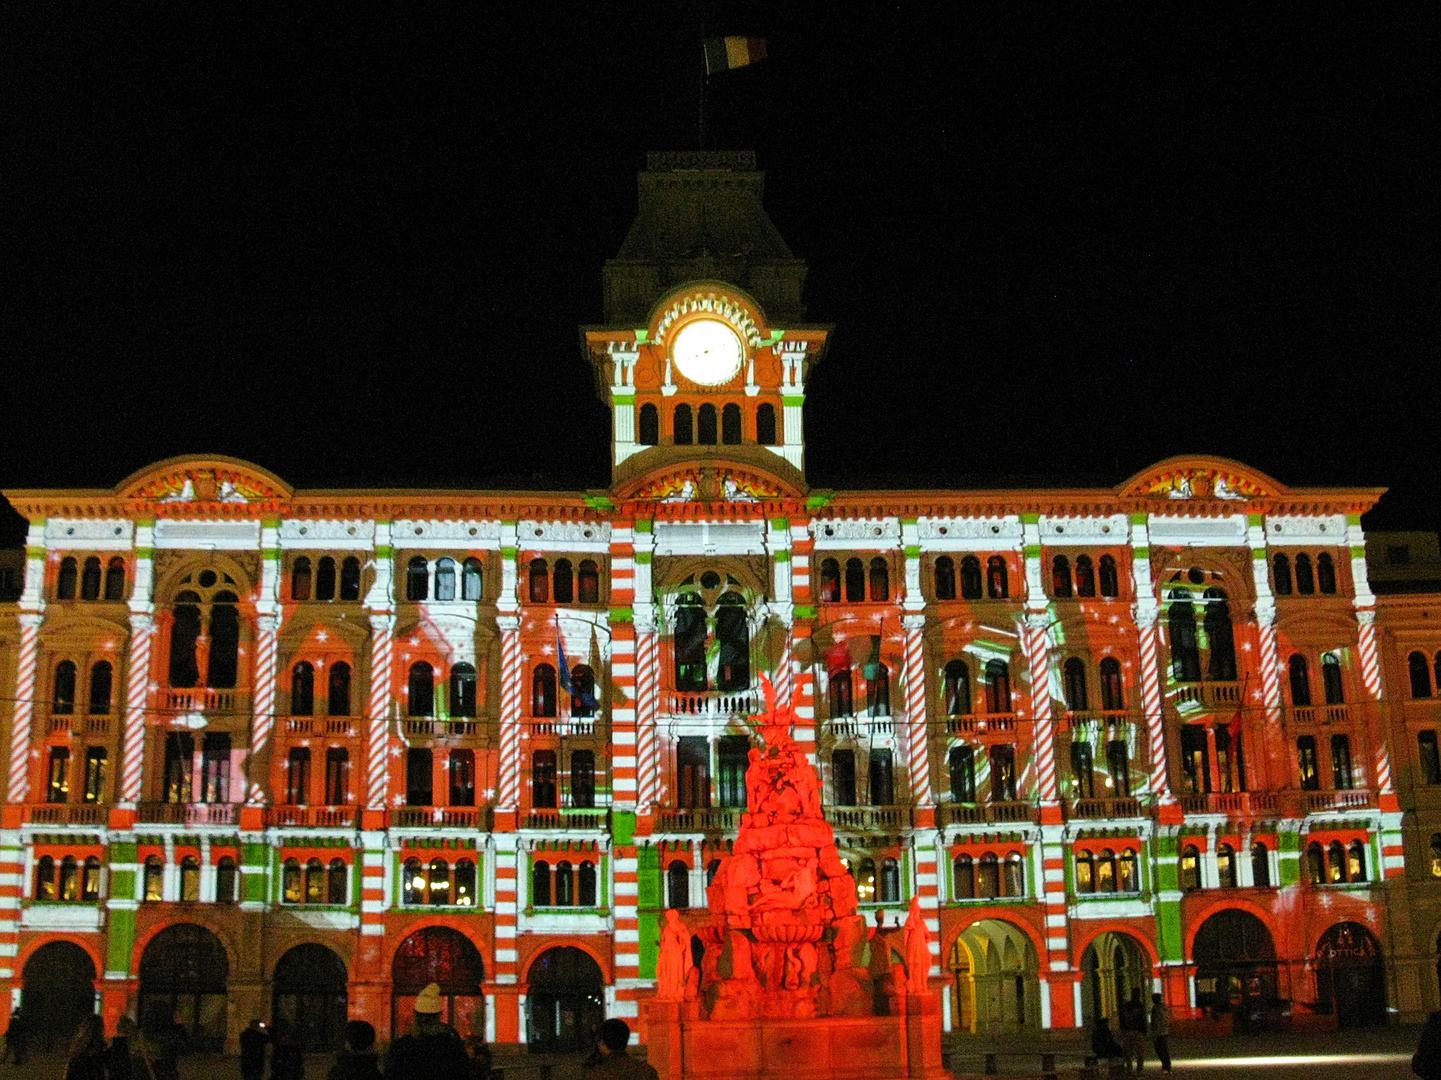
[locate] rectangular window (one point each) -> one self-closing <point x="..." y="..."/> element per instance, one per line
<point x="419" y="777"/>
<point x="95" y="770"/>
<point x="1118" y="767"/>
<point x="1083" y="773"/>
<point x="1223" y="758"/>
<point x="582" y="779"/>
<point x="297" y="776"/>
<point x="963" y="774"/>
<point x="179" y="766"/>
<point x="732" y="758"/>
<point x="1003" y="773"/>
<point x="1195" y="761"/>
<point x="882" y="778"/>
<point x="337" y="776"/>
<point x="1430" y="757"/>
<point x="462" y="778"/>
<point x="215" y="780"/>
<point x="542" y="780"/>
<point x="1341" y="763"/>
<point x="843" y="777"/>
<point x="1306" y="757"/>
<point x="693" y="772"/>
<point x="58" y="789"/>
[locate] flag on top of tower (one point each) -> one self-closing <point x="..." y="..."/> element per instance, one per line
<point x="728" y="53"/>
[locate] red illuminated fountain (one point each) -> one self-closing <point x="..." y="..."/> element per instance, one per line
<point x="791" y="985"/>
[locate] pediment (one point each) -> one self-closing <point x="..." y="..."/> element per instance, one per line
<point x="204" y="480"/>
<point x="713" y="480"/>
<point x="1201" y="479"/>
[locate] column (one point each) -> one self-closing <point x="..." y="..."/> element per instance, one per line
<point x="919" y="751"/>
<point x="27" y="665"/>
<point x="803" y="679"/>
<point x="263" y="722"/>
<point x="624" y="766"/>
<point x="507" y="788"/>
<point x="649" y="786"/>
<point x="508" y="1021"/>
<point x="623" y="356"/>
<point x="377" y="720"/>
<point x="793" y="398"/>
<point x="1146" y="612"/>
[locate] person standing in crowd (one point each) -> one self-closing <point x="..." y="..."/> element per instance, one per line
<point x="252" y="1051"/>
<point x="118" y="1065"/>
<point x="87" y="1053"/>
<point x="1426" y="1062"/>
<point x="1161" y="1032"/>
<point x="432" y="1048"/>
<point x="481" y="1062"/>
<point x="17" y="1038"/>
<point x="286" y="1061"/>
<point x="358" y="1061"/>
<point x="162" y="1047"/>
<point x="615" y="1063"/>
<point x="1133" y="1031"/>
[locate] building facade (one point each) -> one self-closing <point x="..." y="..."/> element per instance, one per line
<point x="295" y="754"/>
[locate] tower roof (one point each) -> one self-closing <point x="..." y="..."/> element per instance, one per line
<point x="700" y="216"/>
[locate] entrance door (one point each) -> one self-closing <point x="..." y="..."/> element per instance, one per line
<point x="564" y="1001"/>
<point x="183" y="974"/>
<point x="1351" y="976"/>
<point x="311" y="996"/>
<point x="446" y="957"/>
<point x="58" y="993"/>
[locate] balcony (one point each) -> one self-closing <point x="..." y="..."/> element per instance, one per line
<point x="204" y="699"/>
<point x="1096" y="716"/>
<point x="563" y="726"/>
<point x="319" y="725"/>
<point x="714" y="703"/>
<point x="426" y="728"/>
<point x="869" y="818"/>
<point x="1206" y="694"/>
<point x="1232" y="802"/>
<point x="1320" y="802"/>
<point x="441" y="817"/>
<point x="565" y="819"/>
<point x="164" y="813"/>
<point x="1119" y="806"/>
<point x="65" y="814"/>
<point x="326" y="817"/>
<point x="697" y="821"/>
<point x="855" y="727"/>
<point x="980" y="725"/>
<point x="997" y="813"/>
<point x="1321" y="714"/>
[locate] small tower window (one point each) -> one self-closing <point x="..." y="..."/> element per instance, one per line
<point x="417" y="579"/>
<point x="880" y="581"/>
<point x="1110" y="583"/>
<point x="325" y="579"/>
<point x="683" y="433"/>
<point x="1061" y="577"/>
<point x="69" y="576"/>
<point x="731" y="425"/>
<point x="1281" y="575"/>
<point x="766" y="425"/>
<point x="1305" y="580"/>
<point x="350" y="578"/>
<point x="970" y="578"/>
<point x="115" y="580"/>
<point x="564" y="582"/>
<point x="1325" y="574"/>
<point x="649" y="425"/>
<point x="831" y="585"/>
<point x="90" y="580"/>
<point x="855" y="581"/>
<point x="998" y="583"/>
<point x="1085" y="576"/>
<point x="705" y="425"/>
<point x="300" y="579"/>
<point x="472" y="582"/>
<point x="445" y="579"/>
<point x="588" y="585"/>
<point x="539" y="582"/>
<point x="945" y="578"/>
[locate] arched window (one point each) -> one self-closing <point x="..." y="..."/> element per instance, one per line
<point x="338" y="699"/>
<point x="69" y="878"/>
<point x="1110" y="582"/>
<point x="1305" y="580"/>
<point x="300" y="579"/>
<point x="731" y="425"/>
<point x="314" y="882"/>
<point x="45" y="878"/>
<point x="1356" y="861"/>
<point x="1128" y="880"/>
<point x="68" y="578"/>
<point x="830" y="581"/>
<point x="417" y="579"/>
<point x="1106" y="871"/>
<point x="564" y="582"/>
<point x="677" y="886"/>
<point x="302" y="689"/>
<point x="540" y="884"/>
<point x="413" y="882"/>
<point x="890" y="882"/>
<point x="465" y="884"/>
<point x="1113" y="687"/>
<point x="683" y="431"/>
<point x="539" y="581"/>
<point x="1281" y="575"/>
<point x="648" y="427"/>
<point x="971" y="578"/>
<point x="588" y="583"/>
<point x="840" y="692"/>
<point x="542" y="779"/>
<point x="880" y="581"/>
<point x="445" y="579"/>
<point x="1085" y="576"/>
<point x="690" y="641"/>
<point x="855" y="581"/>
<point x="154" y="878"/>
<point x="1085" y="872"/>
<point x="1300" y="680"/>
<point x="998" y="579"/>
<point x="115" y="579"/>
<point x="438" y="881"/>
<point x="184" y="633"/>
<point x="1015" y="875"/>
<point x="962" y="763"/>
<point x="865" y="875"/>
<point x="878" y="692"/>
<point x="733" y="671"/>
<point x="325" y="579"/>
<point x="542" y="691"/>
<point x="945" y="578"/>
<point x="292" y="883"/>
<point x="1260" y="865"/>
<point x="462" y="690"/>
<point x="1336" y="863"/>
<point x="90" y="879"/>
<point x="582" y="779"/>
<point x="226" y="878"/>
<point x="472" y="581"/>
<point x="998" y="686"/>
<point x="90" y="580"/>
<point x="1325" y="574"/>
<point x="1185" y="650"/>
<point x="1061" y="577"/>
<point x="101" y="682"/>
<point x="564" y="884"/>
<point x="766" y="425"/>
<point x="582" y="697"/>
<point x="964" y="873"/>
<point x="1420" y="675"/>
<point x="1221" y="640"/>
<point x="1077" y="699"/>
<point x="1190" y="868"/>
<point x="350" y="578"/>
<point x="1331" y="679"/>
<point x="989" y="885"/>
<point x="1315" y="863"/>
<point x="63" y="701"/>
<point x="958" y="688"/>
<point x="224" y="665"/>
<point x="335" y="882"/>
<point x="1226" y="866"/>
<point x="705" y="425"/>
<point x="422" y="690"/>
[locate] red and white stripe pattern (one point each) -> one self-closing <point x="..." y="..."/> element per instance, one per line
<point x="137" y="695"/>
<point x="785" y="680"/>
<point x="1150" y="677"/>
<point x="1043" y="747"/>
<point x="627" y="917"/>
<point x="372" y="891"/>
<point x="12" y="873"/>
<point x="623" y="714"/>
<point x="507" y="882"/>
<point x="928" y="888"/>
<point x="1053" y="876"/>
<point x="263" y="722"/>
<point x="1371" y="680"/>
<point x="647" y="694"/>
<point x="1270" y="674"/>
<point x="805" y="695"/>
<point x="377" y="728"/>
<point x="507" y="794"/>
<point x="26" y="665"/>
<point x="920" y="750"/>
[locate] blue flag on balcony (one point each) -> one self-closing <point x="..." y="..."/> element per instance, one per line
<point x="581" y="697"/>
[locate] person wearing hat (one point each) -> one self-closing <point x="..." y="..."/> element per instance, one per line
<point x="432" y="1048"/>
<point x="613" y="1037"/>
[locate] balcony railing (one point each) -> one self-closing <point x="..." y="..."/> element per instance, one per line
<point x="441" y="817"/>
<point x="424" y="727"/>
<point x="566" y="819"/>
<point x="1321" y="714"/>
<point x="1096" y="716"/>
<point x="851" y="727"/>
<point x="684" y="820"/>
<point x="1317" y="802"/>
<point x="562" y="725"/>
<point x="715" y="703"/>
<point x="1232" y="802"/>
<point x="987" y="813"/>
<point x="330" y="817"/>
<point x="1119" y="806"/>
<point x="869" y="818"/>
<point x="1207" y="693"/>
<point x="204" y="699"/>
<point x="320" y="725"/>
<point x="165" y="813"/>
<point x="980" y="725"/>
<point x="65" y="814"/>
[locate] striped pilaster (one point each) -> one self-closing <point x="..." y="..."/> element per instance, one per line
<point x="1043" y="748"/>
<point x="623" y="716"/>
<point x="507" y="904"/>
<point x="805" y="691"/>
<point x="1053" y="892"/>
<point x="372" y="885"/>
<point x="263" y="723"/>
<point x="928" y="888"/>
<point x="27" y="664"/>
<point x="507" y="788"/>
<point x="647" y="703"/>
<point x="137" y="694"/>
<point x="1371" y="679"/>
<point x="1151" y="707"/>
<point x="627" y="917"/>
<point x="915" y="678"/>
<point x="377" y="728"/>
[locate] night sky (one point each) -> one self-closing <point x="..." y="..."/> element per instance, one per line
<point x="353" y="244"/>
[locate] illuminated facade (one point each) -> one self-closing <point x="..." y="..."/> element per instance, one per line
<point x="297" y="753"/>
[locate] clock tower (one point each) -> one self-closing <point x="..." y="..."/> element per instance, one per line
<point x="706" y="351"/>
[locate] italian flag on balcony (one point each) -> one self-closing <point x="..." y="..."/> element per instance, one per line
<point x="729" y="53"/>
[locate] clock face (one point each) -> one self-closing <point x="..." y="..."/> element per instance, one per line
<point x="708" y="352"/>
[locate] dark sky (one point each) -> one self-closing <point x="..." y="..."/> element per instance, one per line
<point x="353" y="244"/>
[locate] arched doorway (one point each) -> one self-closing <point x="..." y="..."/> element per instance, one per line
<point x="446" y="957"/>
<point x="183" y="974"/>
<point x="311" y="995"/>
<point x="1114" y="965"/>
<point x="995" y="979"/>
<point x="1236" y="968"/>
<point x="58" y="992"/>
<point x="1351" y="976"/>
<point x="565" y="998"/>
